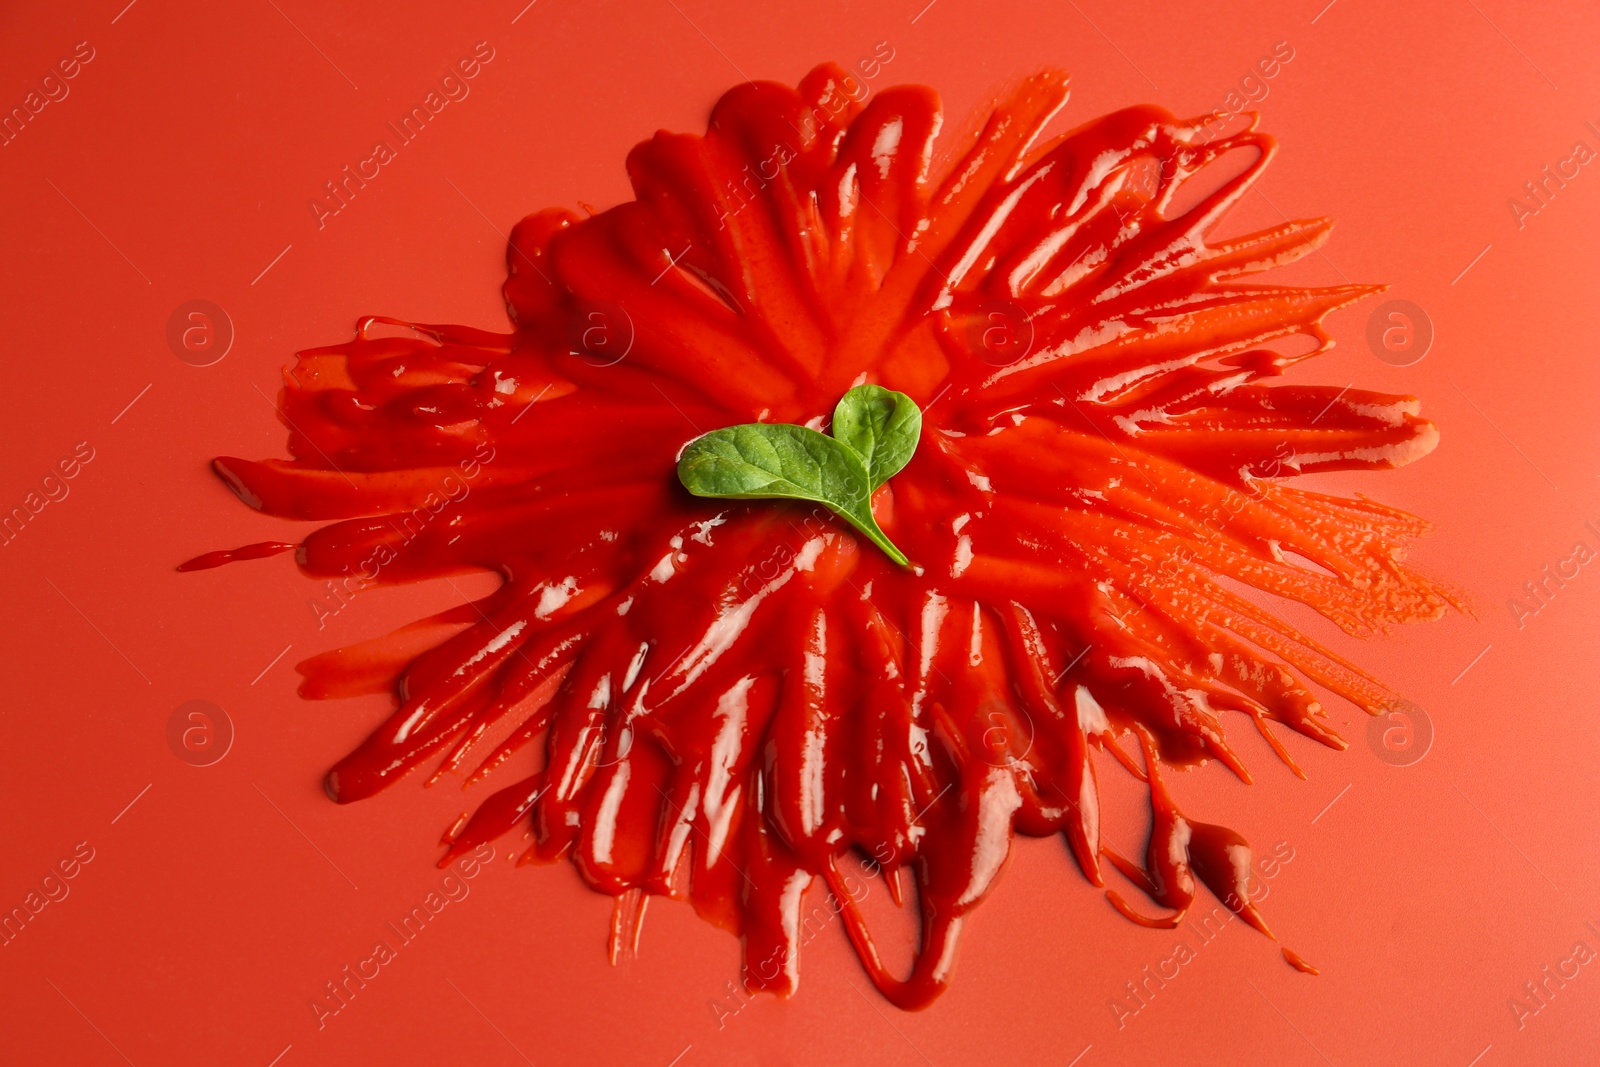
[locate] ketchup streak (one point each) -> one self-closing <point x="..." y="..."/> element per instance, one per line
<point x="259" y="550"/>
<point x="733" y="697"/>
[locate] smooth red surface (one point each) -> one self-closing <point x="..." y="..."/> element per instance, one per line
<point x="1428" y="894"/>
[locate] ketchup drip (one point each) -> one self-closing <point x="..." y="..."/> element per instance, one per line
<point x="720" y="701"/>
<point x="259" y="550"/>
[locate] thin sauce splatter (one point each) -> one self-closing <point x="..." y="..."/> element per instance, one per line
<point x="259" y="550"/>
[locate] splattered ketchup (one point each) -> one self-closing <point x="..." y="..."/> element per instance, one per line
<point x="723" y="701"/>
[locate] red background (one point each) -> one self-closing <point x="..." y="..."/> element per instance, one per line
<point x="216" y="906"/>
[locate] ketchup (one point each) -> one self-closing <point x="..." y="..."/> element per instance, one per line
<point x="721" y="701"/>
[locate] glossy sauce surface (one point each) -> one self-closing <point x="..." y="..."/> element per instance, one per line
<point x="721" y="702"/>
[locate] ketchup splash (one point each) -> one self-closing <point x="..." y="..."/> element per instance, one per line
<point x="720" y="702"/>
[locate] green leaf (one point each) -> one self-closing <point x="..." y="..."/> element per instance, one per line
<point x="876" y="432"/>
<point x="881" y="426"/>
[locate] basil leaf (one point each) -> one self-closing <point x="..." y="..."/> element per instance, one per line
<point x="759" y="460"/>
<point x="881" y="426"/>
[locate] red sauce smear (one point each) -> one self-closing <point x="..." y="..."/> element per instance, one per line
<point x="259" y="550"/>
<point x="721" y="701"/>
